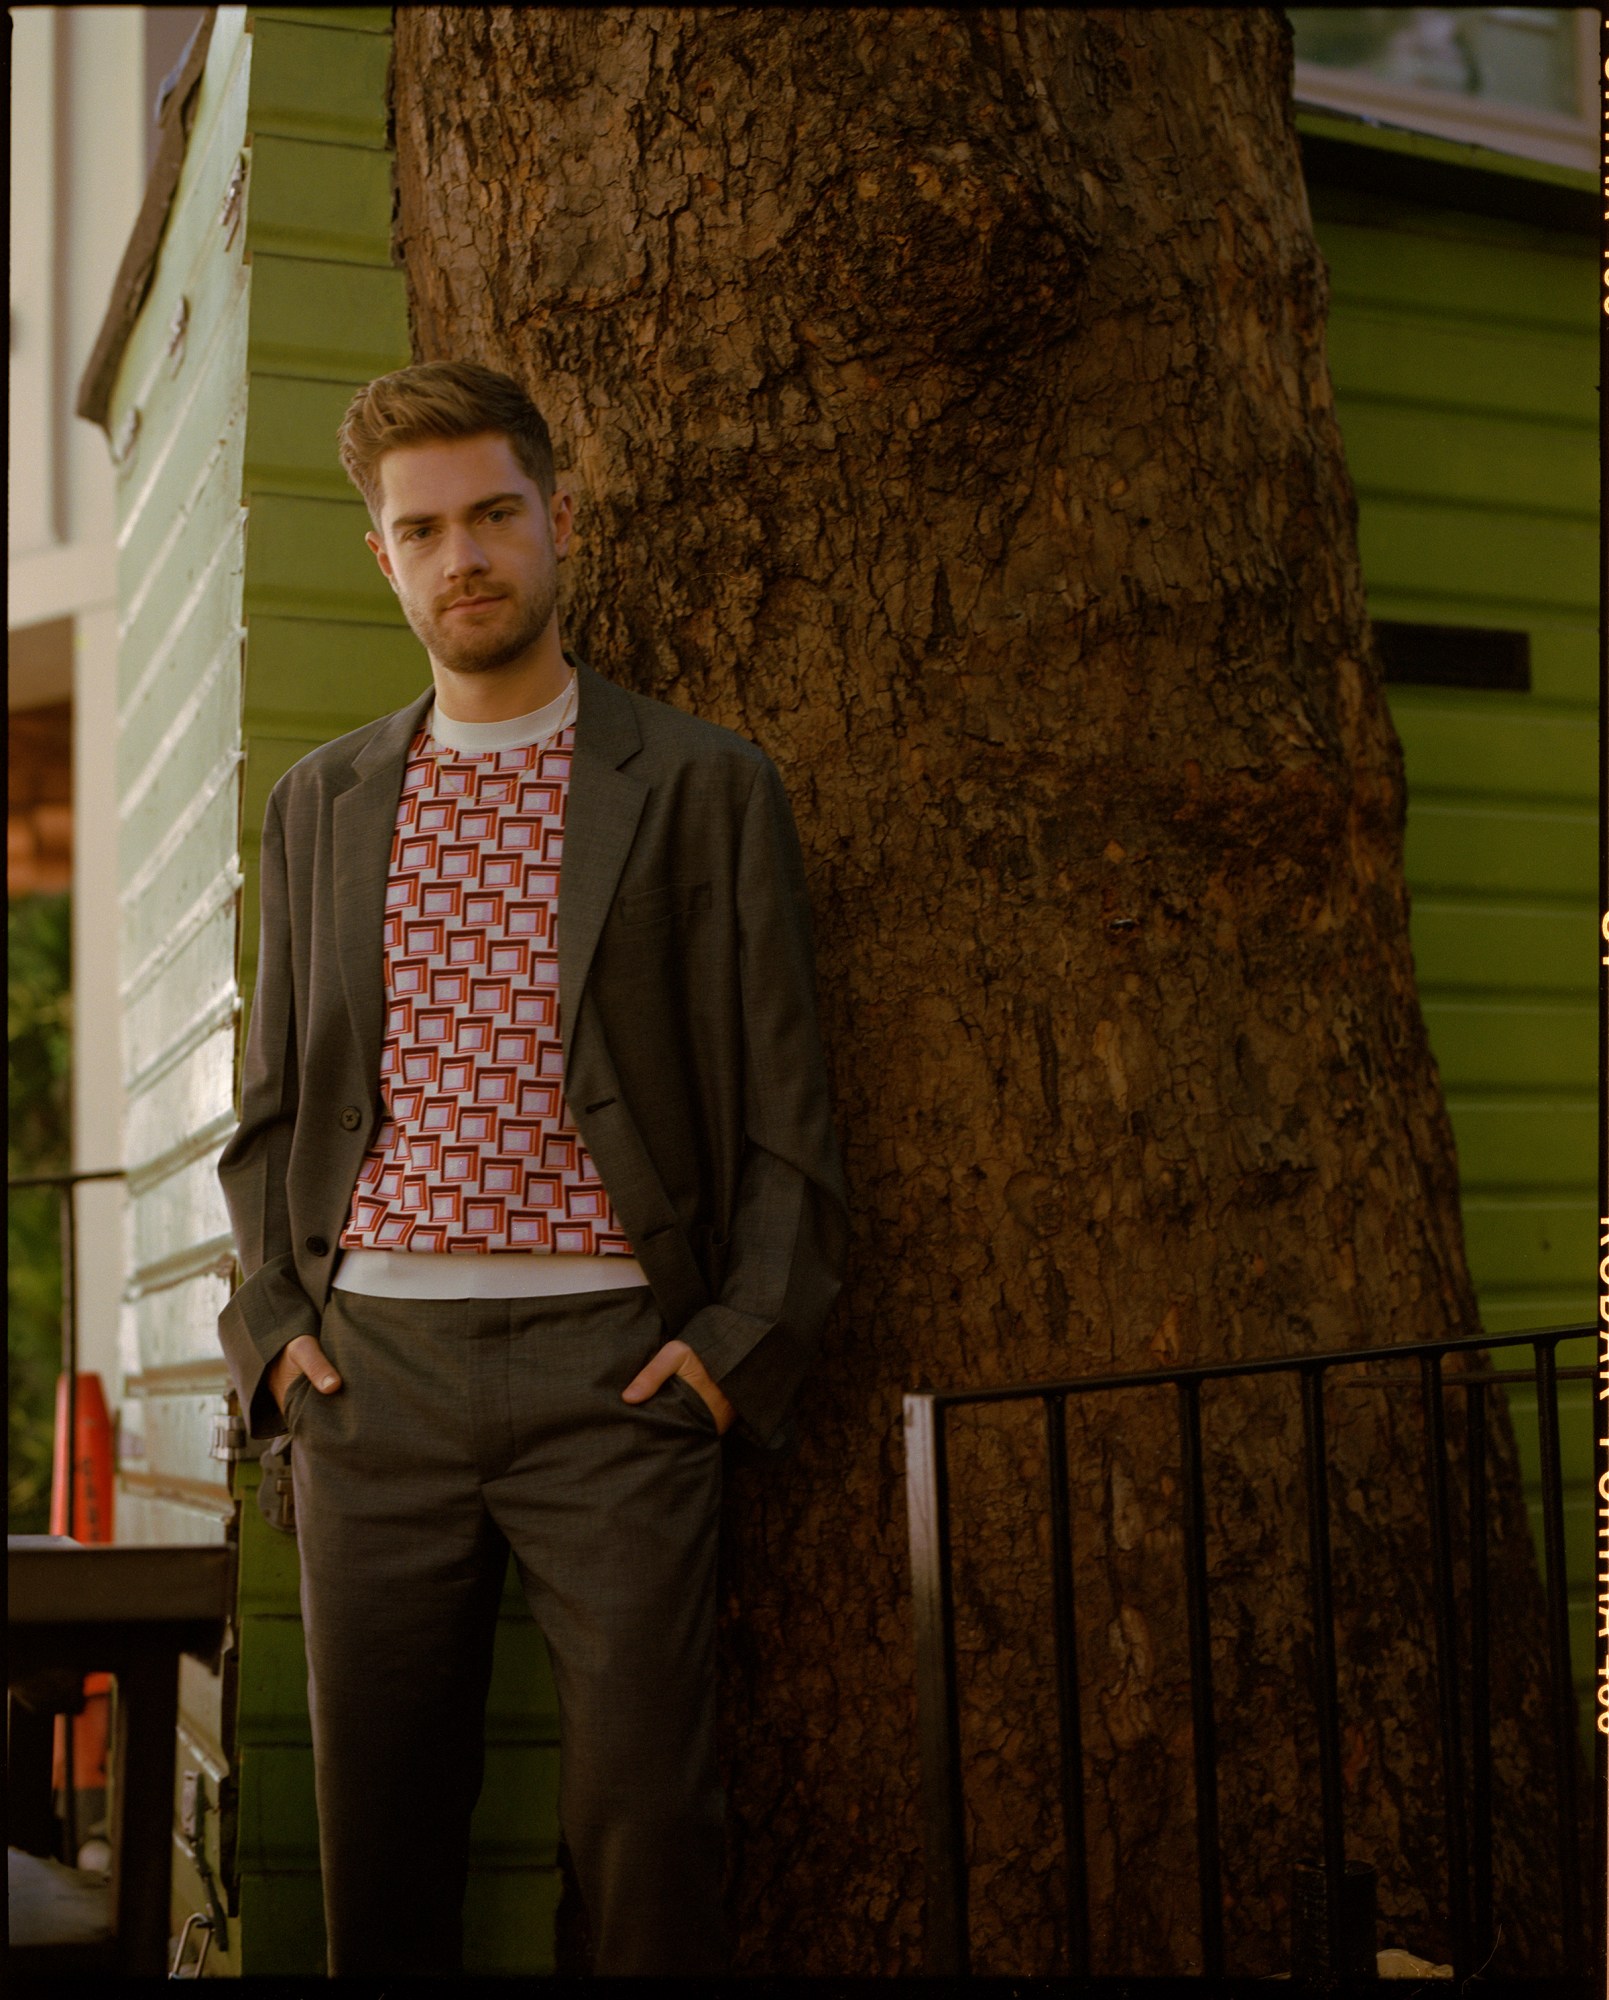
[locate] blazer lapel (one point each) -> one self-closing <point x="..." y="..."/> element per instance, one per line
<point x="365" y="816"/>
<point x="600" y="820"/>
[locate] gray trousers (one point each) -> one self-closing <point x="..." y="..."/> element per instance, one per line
<point x="465" y="1428"/>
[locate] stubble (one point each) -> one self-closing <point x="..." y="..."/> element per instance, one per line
<point x="455" y="642"/>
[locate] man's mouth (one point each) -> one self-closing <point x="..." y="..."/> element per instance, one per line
<point x="472" y="603"/>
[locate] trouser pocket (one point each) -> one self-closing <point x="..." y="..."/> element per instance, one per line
<point x="299" y="1386"/>
<point x="689" y="1399"/>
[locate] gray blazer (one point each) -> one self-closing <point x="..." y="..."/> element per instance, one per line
<point x="693" y="1065"/>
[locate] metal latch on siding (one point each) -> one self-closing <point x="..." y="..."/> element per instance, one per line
<point x="276" y="1497"/>
<point x="194" y="1922"/>
<point x="229" y="1439"/>
<point x="214" y="1924"/>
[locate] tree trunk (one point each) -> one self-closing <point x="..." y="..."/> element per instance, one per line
<point x="946" y="396"/>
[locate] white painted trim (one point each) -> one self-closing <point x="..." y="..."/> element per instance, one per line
<point x="98" y="1094"/>
<point x="78" y="577"/>
<point x="33" y="514"/>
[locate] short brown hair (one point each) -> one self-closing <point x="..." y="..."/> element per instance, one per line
<point x="440" y="399"/>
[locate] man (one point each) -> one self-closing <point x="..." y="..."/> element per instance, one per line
<point x="536" y="1197"/>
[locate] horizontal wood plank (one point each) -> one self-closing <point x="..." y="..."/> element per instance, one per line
<point x="313" y="199"/>
<point x="1524" y="1144"/>
<point x="307" y="559"/>
<point x="1461" y="365"/>
<point x="1529" y="1240"/>
<point x="1499" y="744"/>
<point x="1508" y="850"/>
<point x="359" y="20"/>
<point x="1480" y="557"/>
<point x="291" y="434"/>
<point x="317" y="679"/>
<point x="1491" y="947"/>
<point x="1480" y="273"/>
<point x="1510" y="465"/>
<point x="318" y="80"/>
<point x="1512" y="1045"/>
<point x="338" y="322"/>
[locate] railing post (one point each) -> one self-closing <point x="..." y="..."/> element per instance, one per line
<point x="1480" y="1674"/>
<point x="1324" y="1664"/>
<point x="1204" y="1730"/>
<point x="1071" y="1723"/>
<point x="946" y="1950"/>
<point x="1441" y="1555"/>
<point x="1562" y="1705"/>
<point x="69" y="1347"/>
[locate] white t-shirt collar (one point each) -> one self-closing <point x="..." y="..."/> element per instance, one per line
<point x="513" y="734"/>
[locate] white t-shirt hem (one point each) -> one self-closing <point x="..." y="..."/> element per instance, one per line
<point x="470" y="1274"/>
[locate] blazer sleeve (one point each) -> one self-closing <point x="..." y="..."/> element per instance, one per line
<point x="269" y="1307"/>
<point x="784" y="1256"/>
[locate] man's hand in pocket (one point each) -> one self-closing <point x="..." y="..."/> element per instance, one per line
<point x="677" y="1358"/>
<point x="301" y="1356"/>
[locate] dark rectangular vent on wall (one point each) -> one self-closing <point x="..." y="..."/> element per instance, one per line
<point x="1461" y="656"/>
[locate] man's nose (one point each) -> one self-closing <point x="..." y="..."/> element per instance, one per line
<point x="463" y="553"/>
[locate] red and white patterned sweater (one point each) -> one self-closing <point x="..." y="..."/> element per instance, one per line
<point x="477" y="1152"/>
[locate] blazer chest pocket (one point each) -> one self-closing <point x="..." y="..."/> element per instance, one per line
<point x="657" y="906"/>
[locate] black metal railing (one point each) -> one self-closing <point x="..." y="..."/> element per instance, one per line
<point x="1468" y="1806"/>
<point x="65" y="1184"/>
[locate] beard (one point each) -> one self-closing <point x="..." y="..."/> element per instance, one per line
<point x="500" y="636"/>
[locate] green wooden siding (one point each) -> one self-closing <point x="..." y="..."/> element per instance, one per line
<point x="1463" y="351"/>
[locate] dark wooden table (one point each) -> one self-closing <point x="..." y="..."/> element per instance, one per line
<point x="75" y="1608"/>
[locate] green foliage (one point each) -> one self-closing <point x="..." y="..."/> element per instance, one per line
<point x="38" y="1141"/>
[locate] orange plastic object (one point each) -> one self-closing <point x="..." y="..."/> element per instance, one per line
<point x="93" y="1491"/>
<point x="92" y="1464"/>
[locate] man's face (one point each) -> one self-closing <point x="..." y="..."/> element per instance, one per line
<point x="471" y="548"/>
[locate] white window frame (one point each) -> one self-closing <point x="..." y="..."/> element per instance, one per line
<point x="1559" y="138"/>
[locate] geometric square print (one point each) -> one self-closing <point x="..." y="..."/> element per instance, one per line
<point x="472" y="1059"/>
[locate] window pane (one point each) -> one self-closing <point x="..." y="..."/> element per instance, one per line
<point x="1513" y="55"/>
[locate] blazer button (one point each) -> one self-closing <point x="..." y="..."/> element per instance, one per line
<point x="351" y="1118"/>
<point x="318" y="1246"/>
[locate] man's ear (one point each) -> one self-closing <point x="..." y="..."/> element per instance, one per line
<point x="381" y="557"/>
<point x="561" y="521"/>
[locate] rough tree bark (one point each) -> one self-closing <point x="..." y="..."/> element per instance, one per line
<point x="947" y="398"/>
